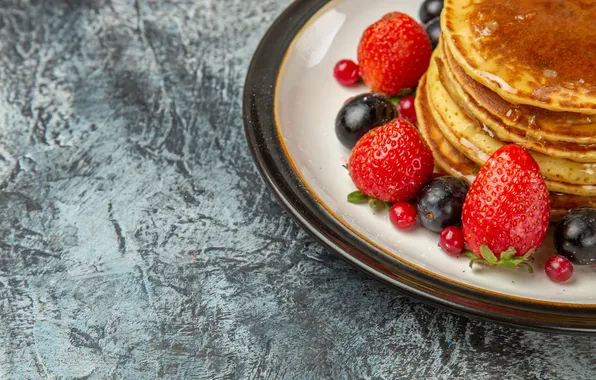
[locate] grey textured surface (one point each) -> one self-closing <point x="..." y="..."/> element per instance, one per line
<point x="137" y="240"/>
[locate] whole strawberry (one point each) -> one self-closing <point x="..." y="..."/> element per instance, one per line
<point x="506" y="212"/>
<point x="391" y="163"/>
<point x="393" y="54"/>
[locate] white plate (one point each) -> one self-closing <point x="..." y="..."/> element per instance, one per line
<point x="305" y="103"/>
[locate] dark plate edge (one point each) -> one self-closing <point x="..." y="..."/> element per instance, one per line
<point x="276" y="170"/>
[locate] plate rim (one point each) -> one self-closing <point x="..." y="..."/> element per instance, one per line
<point x="284" y="181"/>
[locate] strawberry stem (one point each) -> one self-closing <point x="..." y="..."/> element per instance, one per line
<point x="470" y="255"/>
<point x="530" y="269"/>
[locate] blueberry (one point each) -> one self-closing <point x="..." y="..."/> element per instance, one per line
<point x="440" y="203"/>
<point x="361" y="114"/>
<point x="430" y="9"/>
<point x="575" y="236"/>
<point x="433" y="29"/>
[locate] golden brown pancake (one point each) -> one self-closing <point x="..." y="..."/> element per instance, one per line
<point x="470" y="139"/>
<point x="494" y="126"/>
<point x="536" y="123"/>
<point x="536" y="52"/>
<point x="451" y="161"/>
<point x="447" y="157"/>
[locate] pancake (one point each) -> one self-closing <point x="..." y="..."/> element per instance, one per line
<point x="540" y="53"/>
<point x="561" y="204"/>
<point x="452" y="162"/>
<point x="566" y="150"/>
<point x="447" y="157"/>
<point x="475" y="143"/>
<point x="533" y="122"/>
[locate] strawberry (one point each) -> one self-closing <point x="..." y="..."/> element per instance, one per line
<point x="390" y="163"/>
<point x="393" y="54"/>
<point x="506" y="212"/>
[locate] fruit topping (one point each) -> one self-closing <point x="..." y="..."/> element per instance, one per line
<point x="451" y="240"/>
<point x="440" y="203"/>
<point x="407" y="109"/>
<point x="506" y="212"/>
<point x="346" y="72"/>
<point x="393" y="54"/>
<point x="575" y="236"/>
<point x="391" y="163"/>
<point x="558" y="269"/>
<point x="430" y="9"/>
<point x="361" y="114"/>
<point x="402" y="215"/>
<point x="433" y="29"/>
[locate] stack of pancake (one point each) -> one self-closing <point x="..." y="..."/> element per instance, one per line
<point x="516" y="71"/>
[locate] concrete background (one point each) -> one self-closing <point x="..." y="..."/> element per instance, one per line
<point x="138" y="241"/>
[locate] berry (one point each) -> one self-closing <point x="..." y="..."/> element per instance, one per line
<point x="430" y="9"/>
<point x="558" y="269"/>
<point x="402" y="215"/>
<point x="433" y="29"/>
<point x="393" y="54"/>
<point x="451" y="240"/>
<point x="506" y="213"/>
<point x="407" y="110"/>
<point x="440" y="203"/>
<point x="575" y="236"/>
<point x="361" y="114"/>
<point x="346" y="72"/>
<point x="391" y="163"/>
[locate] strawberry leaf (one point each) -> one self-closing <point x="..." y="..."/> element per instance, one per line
<point x="516" y="260"/>
<point x="488" y="255"/>
<point x="508" y="259"/>
<point x="377" y="203"/>
<point x="528" y="266"/>
<point x="479" y="261"/>
<point x="470" y="255"/>
<point x="528" y="256"/>
<point x="508" y="254"/>
<point x="507" y="264"/>
<point x="373" y="203"/>
<point x="357" y="197"/>
<point x="345" y="166"/>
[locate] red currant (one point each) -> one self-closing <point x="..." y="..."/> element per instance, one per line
<point x="451" y="240"/>
<point x="407" y="110"/>
<point x="346" y="72"/>
<point x="403" y="215"/>
<point x="558" y="268"/>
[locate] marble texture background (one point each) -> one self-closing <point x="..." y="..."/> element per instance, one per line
<point x="138" y="241"/>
